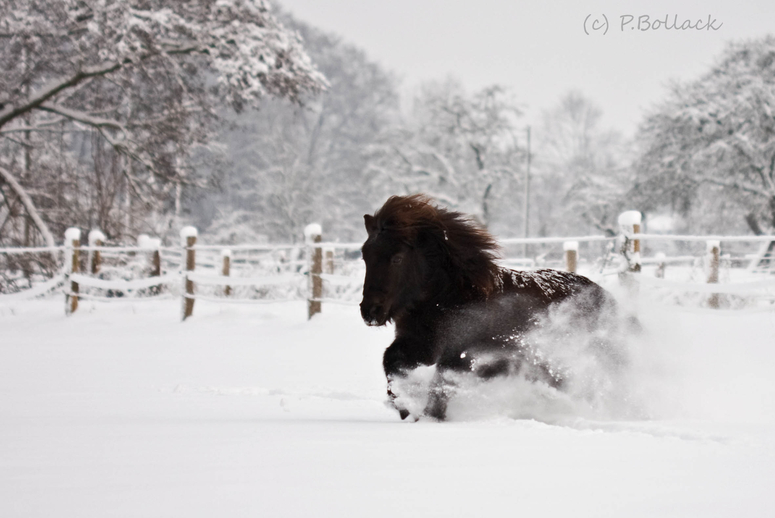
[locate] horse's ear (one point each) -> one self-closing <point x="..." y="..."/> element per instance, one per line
<point x="371" y="226"/>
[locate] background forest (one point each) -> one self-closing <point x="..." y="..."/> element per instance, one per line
<point x="141" y="117"/>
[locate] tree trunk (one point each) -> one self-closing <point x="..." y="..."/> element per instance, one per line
<point x="753" y="224"/>
<point x="772" y="212"/>
<point x="29" y="206"/>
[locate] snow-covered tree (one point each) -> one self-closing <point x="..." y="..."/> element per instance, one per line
<point x="581" y="176"/>
<point x="459" y="147"/>
<point x="126" y="89"/>
<point x="291" y="164"/>
<point x="708" y="152"/>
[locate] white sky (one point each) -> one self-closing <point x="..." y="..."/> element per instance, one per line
<point x="539" y="49"/>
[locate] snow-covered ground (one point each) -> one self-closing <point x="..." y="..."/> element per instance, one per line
<point x="122" y="410"/>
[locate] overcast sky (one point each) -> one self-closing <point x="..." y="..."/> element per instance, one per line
<point x="540" y="49"/>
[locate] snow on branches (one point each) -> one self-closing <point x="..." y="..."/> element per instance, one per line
<point x="56" y="45"/>
<point x="718" y="134"/>
<point x="135" y="83"/>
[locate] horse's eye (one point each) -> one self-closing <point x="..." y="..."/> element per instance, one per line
<point x="396" y="259"/>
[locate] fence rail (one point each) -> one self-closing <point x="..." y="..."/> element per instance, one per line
<point x="553" y="240"/>
<point x="324" y="273"/>
<point x="703" y="239"/>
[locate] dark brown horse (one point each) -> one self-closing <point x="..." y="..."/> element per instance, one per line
<point x="433" y="273"/>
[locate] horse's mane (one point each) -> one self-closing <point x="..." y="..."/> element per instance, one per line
<point x="470" y="250"/>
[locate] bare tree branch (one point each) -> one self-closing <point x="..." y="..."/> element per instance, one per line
<point x="29" y="206"/>
<point x="85" y="118"/>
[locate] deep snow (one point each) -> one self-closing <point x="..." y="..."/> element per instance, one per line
<point x="122" y="410"/>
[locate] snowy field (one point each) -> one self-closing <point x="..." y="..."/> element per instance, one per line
<point x="121" y="410"/>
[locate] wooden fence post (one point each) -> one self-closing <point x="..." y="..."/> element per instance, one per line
<point x="188" y="237"/>
<point x="571" y="249"/>
<point x="660" y="271"/>
<point x="713" y="252"/>
<point x="156" y="258"/>
<point x="629" y="224"/>
<point x="313" y="235"/>
<point x="153" y="245"/>
<point x="72" y="246"/>
<point x="329" y="262"/>
<point x="226" y="270"/>
<point x="96" y="238"/>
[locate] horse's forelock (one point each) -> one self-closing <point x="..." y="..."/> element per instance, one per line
<point x="403" y="216"/>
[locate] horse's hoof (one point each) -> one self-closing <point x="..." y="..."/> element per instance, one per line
<point x="407" y="416"/>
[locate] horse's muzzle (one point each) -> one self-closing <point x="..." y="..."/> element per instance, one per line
<point x="373" y="314"/>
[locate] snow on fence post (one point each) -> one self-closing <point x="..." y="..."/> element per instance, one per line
<point x="312" y="235"/>
<point x="96" y="238"/>
<point x="226" y="269"/>
<point x="660" y="271"/>
<point x="713" y="250"/>
<point x="571" y="249"/>
<point x="72" y="265"/>
<point x="629" y="224"/>
<point x="188" y="238"/>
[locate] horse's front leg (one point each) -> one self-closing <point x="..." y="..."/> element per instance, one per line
<point x="398" y="362"/>
<point x="403" y="412"/>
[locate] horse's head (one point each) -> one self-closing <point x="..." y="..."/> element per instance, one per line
<point x="419" y="253"/>
<point x="396" y="270"/>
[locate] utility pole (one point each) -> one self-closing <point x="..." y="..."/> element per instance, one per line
<point x="527" y="195"/>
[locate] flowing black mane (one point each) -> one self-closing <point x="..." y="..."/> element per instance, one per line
<point x="470" y="251"/>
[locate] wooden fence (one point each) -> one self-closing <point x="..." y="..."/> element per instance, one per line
<point x="309" y="271"/>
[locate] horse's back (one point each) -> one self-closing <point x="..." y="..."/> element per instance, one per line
<point x="547" y="284"/>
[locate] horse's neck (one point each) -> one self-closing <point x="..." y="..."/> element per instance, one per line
<point x="421" y="319"/>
